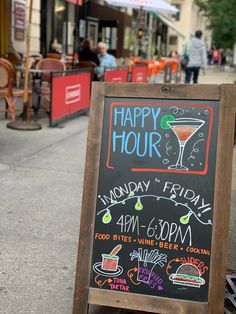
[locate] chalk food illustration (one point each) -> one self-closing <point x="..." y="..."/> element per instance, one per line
<point x="109" y="266"/>
<point x="146" y="262"/>
<point x="187" y="275"/>
<point x="184" y="129"/>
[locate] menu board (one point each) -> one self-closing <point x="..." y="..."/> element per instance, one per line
<point x="19" y="20"/>
<point x="155" y="197"/>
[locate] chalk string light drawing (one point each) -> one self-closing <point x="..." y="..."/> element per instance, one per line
<point x="107" y="216"/>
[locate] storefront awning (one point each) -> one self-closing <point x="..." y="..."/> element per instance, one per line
<point x="170" y="24"/>
<point x="78" y="2"/>
<point x="147" y="5"/>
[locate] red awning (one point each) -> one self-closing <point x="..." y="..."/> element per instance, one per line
<point x="79" y="2"/>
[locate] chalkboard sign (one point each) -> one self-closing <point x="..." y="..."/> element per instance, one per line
<point x="155" y="202"/>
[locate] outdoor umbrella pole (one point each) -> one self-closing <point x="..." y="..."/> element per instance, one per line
<point x="76" y="34"/>
<point x="27" y="61"/>
<point x="26" y="124"/>
<point x="138" y="27"/>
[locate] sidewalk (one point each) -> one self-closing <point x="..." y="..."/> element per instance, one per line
<point x="41" y="188"/>
<point x="214" y="76"/>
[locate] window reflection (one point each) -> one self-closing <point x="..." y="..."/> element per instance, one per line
<point x="59" y="20"/>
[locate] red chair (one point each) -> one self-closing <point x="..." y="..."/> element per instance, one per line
<point x="47" y="66"/>
<point x="7" y="92"/>
<point x="52" y="55"/>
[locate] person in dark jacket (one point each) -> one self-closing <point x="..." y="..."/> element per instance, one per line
<point x="87" y="54"/>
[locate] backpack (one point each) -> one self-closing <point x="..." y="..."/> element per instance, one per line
<point x="185" y="57"/>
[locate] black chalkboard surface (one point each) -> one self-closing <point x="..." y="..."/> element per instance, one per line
<point x="153" y="220"/>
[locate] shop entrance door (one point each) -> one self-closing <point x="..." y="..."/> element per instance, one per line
<point x="92" y="31"/>
<point x="108" y="34"/>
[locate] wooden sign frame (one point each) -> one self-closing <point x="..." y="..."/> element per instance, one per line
<point x="84" y="294"/>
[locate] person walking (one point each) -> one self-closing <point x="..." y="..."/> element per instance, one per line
<point x="197" y="57"/>
<point x="216" y="55"/>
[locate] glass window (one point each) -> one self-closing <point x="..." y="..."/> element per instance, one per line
<point x="92" y="33"/>
<point x="173" y="40"/>
<point x="177" y="15"/>
<point x="59" y="21"/>
<point x="109" y="36"/>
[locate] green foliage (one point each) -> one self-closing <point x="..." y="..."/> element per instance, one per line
<point x="222" y="16"/>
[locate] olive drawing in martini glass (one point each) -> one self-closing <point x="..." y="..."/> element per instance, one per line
<point x="184" y="129"/>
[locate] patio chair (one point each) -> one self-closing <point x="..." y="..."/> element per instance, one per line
<point x="10" y="94"/>
<point x="52" y="55"/>
<point x="16" y="60"/>
<point x="88" y="65"/>
<point x="34" y="59"/>
<point x="14" y="57"/>
<point x="44" y="90"/>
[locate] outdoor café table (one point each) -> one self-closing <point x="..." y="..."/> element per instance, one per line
<point x="36" y="74"/>
<point x="153" y="68"/>
<point x="173" y="61"/>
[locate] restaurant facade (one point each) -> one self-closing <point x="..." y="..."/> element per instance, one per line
<point x="126" y="32"/>
<point x="59" y="22"/>
<point x="110" y="25"/>
<point x="13" y="21"/>
<point x="71" y="23"/>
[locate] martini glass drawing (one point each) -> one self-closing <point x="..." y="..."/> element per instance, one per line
<point x="184" y="129"/>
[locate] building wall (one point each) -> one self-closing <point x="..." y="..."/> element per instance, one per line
<point x="5" y="17"/>
<point x="20" y="46"/>
<point x="191" y="19"/>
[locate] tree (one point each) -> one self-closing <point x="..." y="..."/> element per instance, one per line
<point x="222" y="17"/>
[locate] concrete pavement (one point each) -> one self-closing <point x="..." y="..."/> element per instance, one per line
<point x="214" y="76"/>
<point x="41" y="187"/>
<point x="41" y="177"/>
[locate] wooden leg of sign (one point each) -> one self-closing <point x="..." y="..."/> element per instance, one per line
<point x="222" y="200"/>
<point x="89" y="203"/>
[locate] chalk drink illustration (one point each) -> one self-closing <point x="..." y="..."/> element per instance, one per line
<point x="184" y="129"/>
<point x="147" y="262"/>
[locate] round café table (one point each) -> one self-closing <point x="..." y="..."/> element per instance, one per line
<point x="36" y="75"/>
